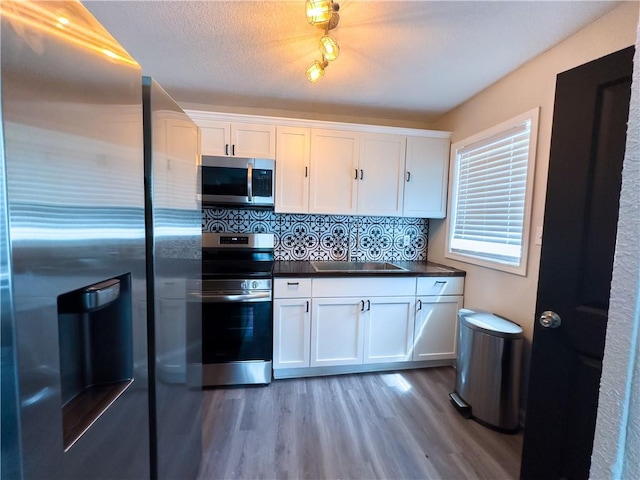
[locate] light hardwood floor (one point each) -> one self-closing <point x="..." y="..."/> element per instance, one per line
<point x="367" y="426"/>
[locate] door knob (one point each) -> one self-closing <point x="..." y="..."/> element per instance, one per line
<point x="550" y="319"/>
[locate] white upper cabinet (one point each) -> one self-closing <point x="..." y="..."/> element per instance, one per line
<point x="381" y="174"/>
<point x="292" y="169"/>
<point x="250" y="140"/>
<point x="334" y="166"/>
<point x="426" y="176"/>
<point x="345" y="169"/>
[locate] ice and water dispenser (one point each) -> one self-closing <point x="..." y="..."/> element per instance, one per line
<point x="96" y="351"/>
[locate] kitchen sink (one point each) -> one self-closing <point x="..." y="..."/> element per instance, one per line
<point x="356" y="267"/>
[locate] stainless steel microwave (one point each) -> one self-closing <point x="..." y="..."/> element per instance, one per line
<point x="234" y="181"/>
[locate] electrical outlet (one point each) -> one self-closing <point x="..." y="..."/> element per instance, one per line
<point x="406" y="241"/>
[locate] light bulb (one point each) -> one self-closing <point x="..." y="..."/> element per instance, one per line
<point x="316" y="71"/>
<point x="329" y="47"/>
<point x="318" y="11"/>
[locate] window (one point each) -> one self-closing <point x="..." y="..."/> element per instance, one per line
<point x="490" y="205"/>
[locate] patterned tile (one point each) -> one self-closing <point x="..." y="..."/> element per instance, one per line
<point x="299" y="242"/>
<point x="327" y="237"/>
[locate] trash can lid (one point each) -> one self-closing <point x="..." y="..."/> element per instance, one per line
<point x="489" y="323"/>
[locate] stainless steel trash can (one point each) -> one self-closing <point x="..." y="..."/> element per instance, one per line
<point x="488" y="369"/>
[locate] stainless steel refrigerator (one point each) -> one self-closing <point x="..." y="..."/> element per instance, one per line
<point x="174" y="243"/>
<point x="89" y="369"/>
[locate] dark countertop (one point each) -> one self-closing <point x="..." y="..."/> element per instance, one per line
<point x="413" y="269"/>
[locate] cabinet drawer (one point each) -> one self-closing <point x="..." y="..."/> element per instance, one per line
<point x="363" y="287"/>
<point x="440" y="286"/>
<point x="291" y="287"/>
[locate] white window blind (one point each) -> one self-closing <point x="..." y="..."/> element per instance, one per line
<point x="490" y="195"/>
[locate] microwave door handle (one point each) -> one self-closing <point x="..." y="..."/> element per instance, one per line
<point x="250" y="182"/>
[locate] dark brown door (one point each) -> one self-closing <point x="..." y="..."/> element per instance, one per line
<point x="580" y="222"/>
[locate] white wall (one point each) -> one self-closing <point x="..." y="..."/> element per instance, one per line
<point x="530" y="86"/>
<point x="616" y="448"/>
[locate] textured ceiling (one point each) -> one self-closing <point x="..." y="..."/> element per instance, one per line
<point x="403" y="60"/>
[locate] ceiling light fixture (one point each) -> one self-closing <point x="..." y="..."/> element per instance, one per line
<point x="324" y="15"/>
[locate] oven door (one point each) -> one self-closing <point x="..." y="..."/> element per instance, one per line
<point x="236" y="327"/>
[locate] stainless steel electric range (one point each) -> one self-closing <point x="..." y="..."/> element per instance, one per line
<point x="237" y="318"/>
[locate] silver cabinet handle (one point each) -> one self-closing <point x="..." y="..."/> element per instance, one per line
<point x="550" y="319"/>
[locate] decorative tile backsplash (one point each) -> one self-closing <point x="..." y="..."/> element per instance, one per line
<point x="327" y="237"/>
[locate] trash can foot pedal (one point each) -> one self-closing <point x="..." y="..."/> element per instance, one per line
<point x="463" y="407"/>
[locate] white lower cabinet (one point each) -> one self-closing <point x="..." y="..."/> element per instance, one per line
<point x="365" y="321"/>
<point x="291" y="332"/>
<point x="388" y="329"/>
<point x="291" y="322"/>
<point x="337" y="331"/>
<point x="436" y="327"/>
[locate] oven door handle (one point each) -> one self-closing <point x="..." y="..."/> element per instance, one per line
<point x="234" y="297"/>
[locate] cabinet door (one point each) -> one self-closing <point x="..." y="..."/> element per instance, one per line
<point x="381" y="175"/>
<point x="252" y="140"/>
<point x="334" y="165"/>
<point x="292" y="169"/>
<point x="388" y="329"/>
<point x="215" y="137"/>
<point x="426" y="177"/>
<point x="337" y="332"/>
<point x="436" y="327"/>
<point x="291" y="332"/>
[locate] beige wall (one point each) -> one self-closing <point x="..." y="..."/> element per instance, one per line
<point x="530" y="86"/>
